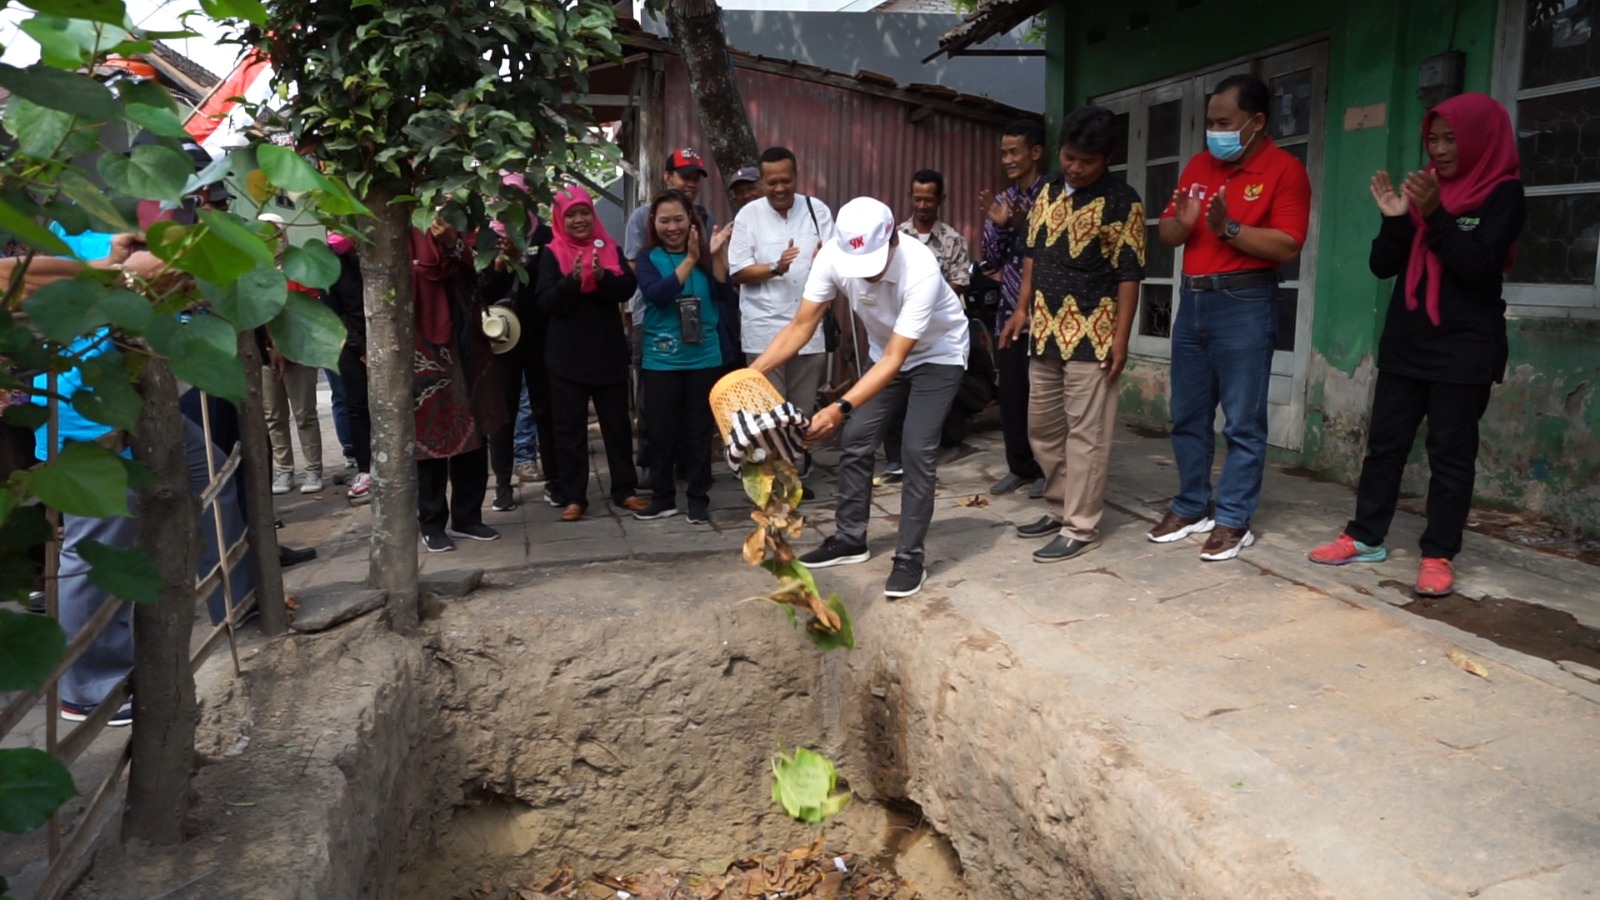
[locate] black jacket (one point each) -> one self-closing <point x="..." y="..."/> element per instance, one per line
<point x="586" y="342"/>
<point x="344" y="297"/>
<point x="1468" y="346"/>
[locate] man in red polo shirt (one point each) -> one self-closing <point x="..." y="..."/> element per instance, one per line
<point x="1240" y="212"/>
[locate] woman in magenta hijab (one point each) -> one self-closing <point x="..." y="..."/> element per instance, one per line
<point x="583" y="281"/>
<point x="1449" y="234"/>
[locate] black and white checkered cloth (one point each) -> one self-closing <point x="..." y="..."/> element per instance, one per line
<point x="759" y="436"/>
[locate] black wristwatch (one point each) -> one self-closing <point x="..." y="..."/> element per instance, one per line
<point x="845" y="407"/>
<point x="1230" y="230"/>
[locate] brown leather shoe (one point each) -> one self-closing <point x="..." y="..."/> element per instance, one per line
<point x="572" y="513"/>
<point x="636" y="504"/>
<point x="1226" y="542"/>
<point x="1174" y="527"/>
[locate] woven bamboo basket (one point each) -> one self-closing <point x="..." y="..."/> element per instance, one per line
<point x="742" y="389"/>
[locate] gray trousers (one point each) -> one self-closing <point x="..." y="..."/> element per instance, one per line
<point x="925" y="393"/>
<point x="110" y="657"/>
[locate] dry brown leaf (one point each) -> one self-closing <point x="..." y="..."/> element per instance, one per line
<point x="975" y="500"/>
<point x="290" y="602"/>
<point x="755" y="547"/>
<point x="1466" y="663"/>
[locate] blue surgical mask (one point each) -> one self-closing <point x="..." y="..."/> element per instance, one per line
<point x="1225" y="145"/>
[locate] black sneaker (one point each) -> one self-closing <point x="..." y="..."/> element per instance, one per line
<point x="658" y="509"/>
<point x="1064" y="548"/>
<point x="551" y="499"/>
<point x="1043" y="528"/>
<point x="478" y="532"/>
<point x="504" y="498"/>
<point x="835" y="552"/>
<point x="699" y="515"/>
<point x="907" y="578"/>
<point x="437" y="543"/>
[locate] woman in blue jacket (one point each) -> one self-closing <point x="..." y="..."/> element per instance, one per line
<point x="683" y="278"/>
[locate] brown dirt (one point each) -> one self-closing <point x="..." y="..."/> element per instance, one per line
<point x="1526" y="529"/>
<point x="1535" y="630"/>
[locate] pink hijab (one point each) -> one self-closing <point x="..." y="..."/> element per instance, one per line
<point x="570" y="253"/>
<point x="1486" y="157"/>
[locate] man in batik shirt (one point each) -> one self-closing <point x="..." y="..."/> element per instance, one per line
<point x="1022" y="156"/>
<point x="1083" y="261"/>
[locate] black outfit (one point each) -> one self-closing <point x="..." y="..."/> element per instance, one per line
<point x="587" y="354"/>
<point x="523" y="365"/>
<point x="1012" y="395"/>
<point x="1441" y="373"/>
<point x="345" y="298"/>
<point x="467" y="475"/>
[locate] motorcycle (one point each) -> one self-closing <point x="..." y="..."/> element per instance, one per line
<point x="981" y="382"/>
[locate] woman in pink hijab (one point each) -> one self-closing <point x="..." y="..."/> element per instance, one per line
<point x="583" y="282"/>
<point x="1449" y="234"/>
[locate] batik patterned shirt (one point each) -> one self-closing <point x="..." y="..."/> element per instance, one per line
<point x="1083" y="244"/>
<point x="949" y="246"/>
<point x="1002" y="247"/>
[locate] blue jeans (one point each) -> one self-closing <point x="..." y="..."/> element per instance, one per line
<point x="341" y="421"/>
<point x="1222" y="353"/>
<point x="526" y="440"/>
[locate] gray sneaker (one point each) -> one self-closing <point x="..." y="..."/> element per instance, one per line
<point x="311" y="483"/>
<point x="282" y="482"/>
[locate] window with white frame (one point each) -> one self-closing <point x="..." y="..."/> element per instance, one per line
<point x="1549" y="77"/>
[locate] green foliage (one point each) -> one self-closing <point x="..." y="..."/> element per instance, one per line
<point x="432" y="100"/>
<point x="803" y="784"/>
<point x="33" y="784"/>
<point x="188" y="300"/>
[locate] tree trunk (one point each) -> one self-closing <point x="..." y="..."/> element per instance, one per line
<point x="696" y="29"/>
<point x="163" y="686"/>
<point x="256" y="471"/>
<point x="386" y="273"/>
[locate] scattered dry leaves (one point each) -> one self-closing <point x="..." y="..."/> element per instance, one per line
<point x="976" y="500"/>
<point x="805" y="872"/>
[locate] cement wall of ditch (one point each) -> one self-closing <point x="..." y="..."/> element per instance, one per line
<point x="600" y="718"/>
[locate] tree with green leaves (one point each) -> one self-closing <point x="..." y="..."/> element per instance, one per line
<point x="418" y="108"/>
<point x="210" y="282"/>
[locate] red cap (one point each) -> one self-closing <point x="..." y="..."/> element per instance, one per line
<point x="685" y="160"/>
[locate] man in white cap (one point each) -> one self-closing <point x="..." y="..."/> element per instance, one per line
<point x="917" y="332"/>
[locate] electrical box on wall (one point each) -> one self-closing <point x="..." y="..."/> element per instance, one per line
<point x="1440" y="77"/>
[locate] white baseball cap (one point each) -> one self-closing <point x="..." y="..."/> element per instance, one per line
<point x="863" y="230"/>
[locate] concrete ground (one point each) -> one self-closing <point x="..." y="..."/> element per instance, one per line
<point x="1303" y="704"/>
<point x="1302" y="698"/>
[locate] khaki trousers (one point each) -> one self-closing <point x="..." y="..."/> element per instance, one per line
<point x="295" y="396"/>
<point x="1072" y="410"/>
<point x="799" y="379"/>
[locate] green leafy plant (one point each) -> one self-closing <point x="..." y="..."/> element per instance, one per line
<point x="213" y="279"/>
<point x="804" y="783"/>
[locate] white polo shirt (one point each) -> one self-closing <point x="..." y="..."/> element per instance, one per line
<point x="912" y="300"/>
<point x="760" y="235"/>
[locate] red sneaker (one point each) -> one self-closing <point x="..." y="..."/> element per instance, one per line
<point x="1347" y="550"/>
<point x="1435" y="579"/>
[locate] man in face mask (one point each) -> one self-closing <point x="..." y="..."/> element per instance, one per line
<point x="1240" y="212"/>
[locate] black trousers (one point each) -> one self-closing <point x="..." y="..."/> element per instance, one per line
<point x="358" y="414"/>
<point x="1012" y="363"/>
<point x="524" y="369"/>
<point x="681" y="426"/>
<point x="569" y="402"/>
<point x="466" y="475"/>
<point x="1398" y="407"/>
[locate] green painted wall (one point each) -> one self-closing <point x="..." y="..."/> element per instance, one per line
<point x="1540" y="446"/>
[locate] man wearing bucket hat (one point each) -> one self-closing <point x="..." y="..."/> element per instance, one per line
<point x="917" y="333"/>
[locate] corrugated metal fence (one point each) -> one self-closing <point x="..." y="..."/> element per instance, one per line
<point x="851" y="143"/>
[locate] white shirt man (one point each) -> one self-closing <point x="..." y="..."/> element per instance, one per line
<point x="770" y="256"/>
<point x="917" y="331"/>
